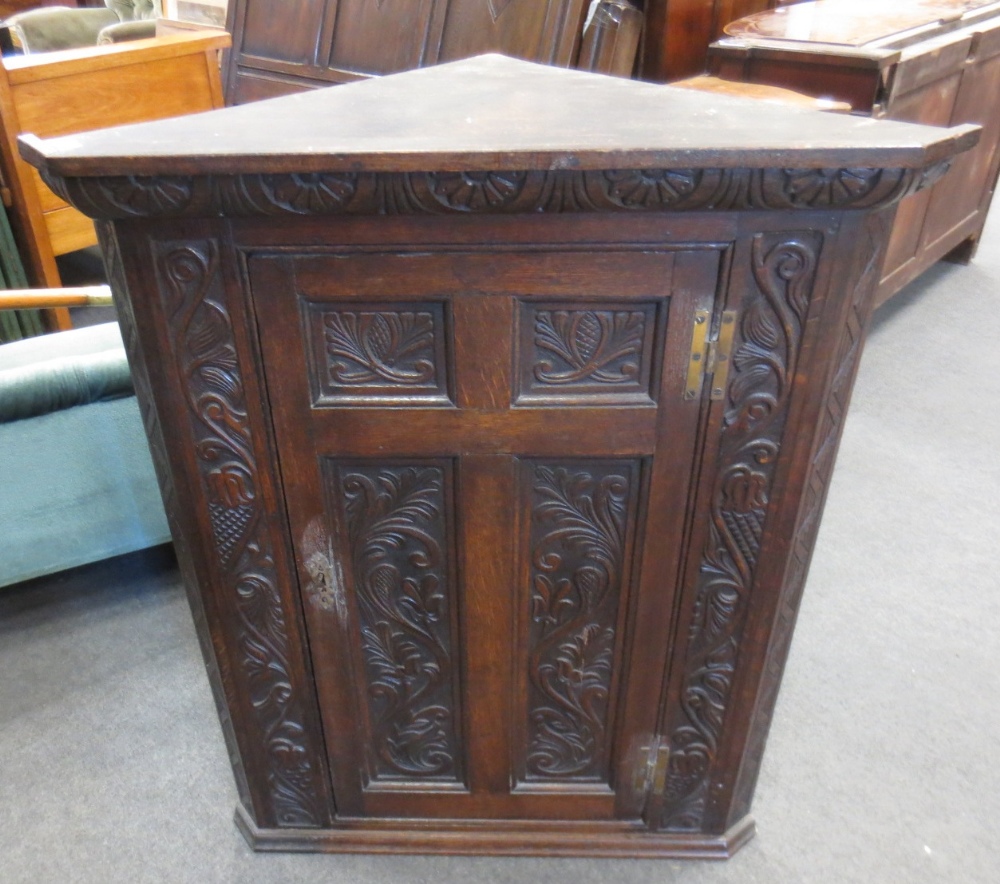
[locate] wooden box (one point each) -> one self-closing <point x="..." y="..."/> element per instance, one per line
<point x="936" y="62"/>
<point x="494" y="440"/>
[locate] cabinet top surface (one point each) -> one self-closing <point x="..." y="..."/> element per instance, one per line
<point x="493" y="113"/>
<point x="858" y="23"/>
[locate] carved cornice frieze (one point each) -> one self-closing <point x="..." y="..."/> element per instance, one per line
<point x="490" y="192"/>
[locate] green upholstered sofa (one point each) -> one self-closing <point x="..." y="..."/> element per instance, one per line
<point x="52" y="28"/>
<point x="76" y="478"/>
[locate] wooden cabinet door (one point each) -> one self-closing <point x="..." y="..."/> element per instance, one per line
<point x="486" y="459"/>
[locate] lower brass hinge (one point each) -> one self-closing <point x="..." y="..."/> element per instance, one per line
<point x="710" y="356"/>
<point x="652" y="768"/>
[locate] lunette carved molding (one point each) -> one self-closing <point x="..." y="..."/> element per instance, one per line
<point x="579" y="520"/>
<point x="398" y="545"/>
<point x="494" y="192"/>
<point x="202" y="337"/>
<point x="763" y="367"/>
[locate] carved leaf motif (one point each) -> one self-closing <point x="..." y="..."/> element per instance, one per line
<point x="759" y="392"/>
<point x="578" y="547"/>
<point x="367" y="348"/>
<point x="476" y="191"/>
<point x="601" y="346"/>
<point x="652" y="188"/>
<point x="311" y="193"/>
<point x="552" y="191"/>
<point x="148" y="196"/>
<point x="819" y="188"/>
<point x="205" y="353"/>
<point x="397" y="538"/>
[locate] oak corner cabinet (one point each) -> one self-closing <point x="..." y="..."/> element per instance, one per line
<point x="494" y="441"/>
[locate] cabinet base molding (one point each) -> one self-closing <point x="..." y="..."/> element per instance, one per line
<point x="497" y="838"/>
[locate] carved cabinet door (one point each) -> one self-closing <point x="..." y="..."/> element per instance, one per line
<point x="486" y="458"/>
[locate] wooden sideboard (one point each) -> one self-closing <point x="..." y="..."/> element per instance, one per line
<point x="678" y="33"/>
<point x="58" y="93"/>
<point x="495" y="440"/>
<point x="936" y="63"/>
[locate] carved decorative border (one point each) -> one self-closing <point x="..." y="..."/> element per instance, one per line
<point x="876" y="235"/>
<point x="243" y="566"/>
<point x="763" y="368"/>
<point x="215" y="659"/>
<point x="491" y="192"/>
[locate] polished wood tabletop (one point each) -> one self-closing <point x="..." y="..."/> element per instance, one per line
<point x="851" y="22"/>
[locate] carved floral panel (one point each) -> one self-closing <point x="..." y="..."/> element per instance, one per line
<point x="587" y="352"/>
<point x="578" y="544"/>
<point x="396" y="534"/>
<point x="380" y="353"/>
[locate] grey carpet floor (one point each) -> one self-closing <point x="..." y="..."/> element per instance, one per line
<point x="883" y="762"/>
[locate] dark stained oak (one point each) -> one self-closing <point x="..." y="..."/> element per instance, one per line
<point x="316" y="43"/>
<point x="935" y="62"/>
<point x="678" y="33"/>
<point x="495" y="451"/>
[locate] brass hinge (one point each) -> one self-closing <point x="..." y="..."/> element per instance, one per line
<point x="710" y="357"/>
<point x="652" y="767"/>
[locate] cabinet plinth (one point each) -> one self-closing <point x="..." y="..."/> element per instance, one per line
<point x="495" y="444"/>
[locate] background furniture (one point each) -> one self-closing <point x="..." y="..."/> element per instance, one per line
<point x="678" y="33"/>
<point x="498" y="532"/>
<point x="321" y="42"/>
<point x="66" y="92"/>
<point x="936" y="63"/>
<point x="10" y="7"/>
<point x="54" y="28"/>
<point x="76" y="477"/>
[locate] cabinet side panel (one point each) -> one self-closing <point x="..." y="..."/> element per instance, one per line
<point x="537" y="30"/>
<point x="213" y="652"/>
<point x="740" y="498"/>
<point x="380" y="38"/>
<point x="228" y="516"/>
<point x="289" y="35"/>
<point x="845" y="332"/>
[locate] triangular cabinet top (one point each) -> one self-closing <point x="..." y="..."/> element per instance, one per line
<point x="493" y="113"/>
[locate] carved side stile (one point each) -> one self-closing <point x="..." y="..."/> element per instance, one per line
<point x="849" y="347"/>
<point x="214" y="655"/>
<point x="764" y="362"/>
<point x="243" y="569"/>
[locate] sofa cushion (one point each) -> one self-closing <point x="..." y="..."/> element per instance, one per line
<point x="50" y="372"/>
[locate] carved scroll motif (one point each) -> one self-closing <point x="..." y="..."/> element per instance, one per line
<point x="764" y="364"/>
<point x="579" y="522"/>
<point x="490" y="192"/>
<point x="398" y="540"/>
<point x="817" y="483"/>
<point x="244" y="568"/>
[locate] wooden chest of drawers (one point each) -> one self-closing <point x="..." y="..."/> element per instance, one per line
<point x="494" y="442"/>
